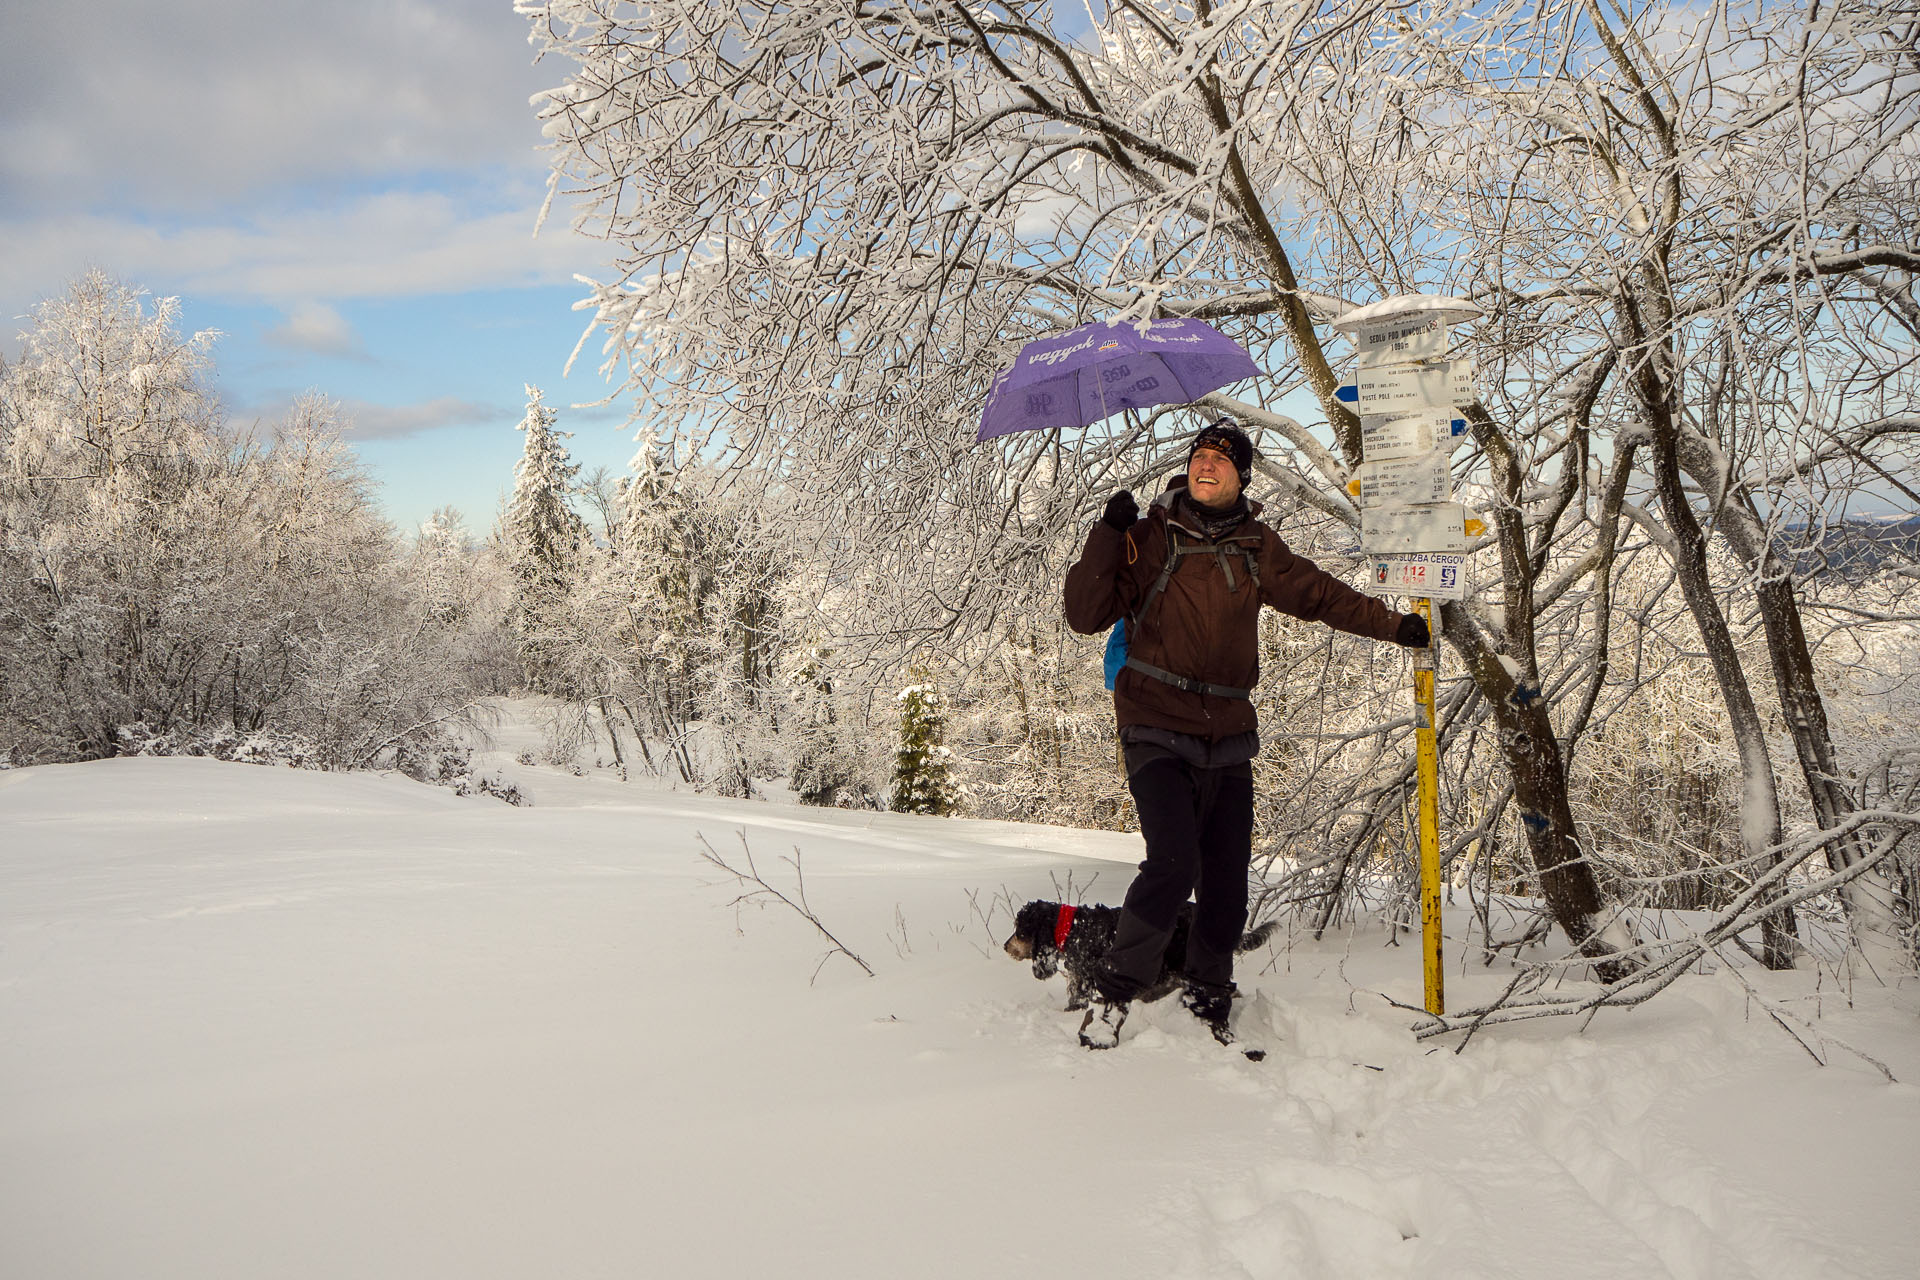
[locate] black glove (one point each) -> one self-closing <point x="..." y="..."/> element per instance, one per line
<point x="1121" y="511"/>
<point x="1412" y="632"/>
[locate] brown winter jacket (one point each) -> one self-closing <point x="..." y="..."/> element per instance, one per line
<point x="1200" y="627"/>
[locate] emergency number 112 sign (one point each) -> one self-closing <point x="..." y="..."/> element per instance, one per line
<point x="1435" y="574"/>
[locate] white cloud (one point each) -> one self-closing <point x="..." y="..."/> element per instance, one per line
<point x="277" y="151"/>
<point x="386" y="245"/>
<point x="193" y="104"/>
<point x="317" y="327"/>
<point x="369" y="421"/>
<point x="380" y="422"/>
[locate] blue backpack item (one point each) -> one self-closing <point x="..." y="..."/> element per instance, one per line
<point x="1116" y="652"/>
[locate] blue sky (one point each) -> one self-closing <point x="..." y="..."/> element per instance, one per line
<point x="347" y="191"/>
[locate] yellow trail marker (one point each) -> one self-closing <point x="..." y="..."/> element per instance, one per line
<point x="1428" y="771"/>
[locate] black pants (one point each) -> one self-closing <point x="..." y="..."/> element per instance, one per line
<point x="1198" y="825"/>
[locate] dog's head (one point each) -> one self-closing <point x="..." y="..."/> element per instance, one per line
<point x="1032" y="937"/>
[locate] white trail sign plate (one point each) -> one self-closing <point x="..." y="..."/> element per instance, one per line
<point x="1416" y="478"/>
<point x="1403" y="434"/>
<point x="1435" y="526"/>
<point x="1410" y="388"/>
<point x="1400" y="339"/>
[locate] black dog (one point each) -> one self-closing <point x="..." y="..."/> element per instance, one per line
<point x="1088" y="931"/>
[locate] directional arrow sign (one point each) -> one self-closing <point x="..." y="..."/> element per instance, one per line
<point x="1402" y="388"/>
<point x="1415" y="478"/>
<point x="1435" y="526"/>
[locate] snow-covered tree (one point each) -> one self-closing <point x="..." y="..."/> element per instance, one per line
<point x="463" y="593"/>
<point x="1030" y="723"/>
<point x="546" y="547"/>
<point x="102" y="384"/>
<point x="441" y="549"/>
<point x="831" y="760"/>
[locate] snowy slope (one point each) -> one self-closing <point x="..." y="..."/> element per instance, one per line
<point x="262" y="1023"/>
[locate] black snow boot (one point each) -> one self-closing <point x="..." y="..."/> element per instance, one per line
<point x="1100" y="1029"/>
<point x="1212" y="1004"/>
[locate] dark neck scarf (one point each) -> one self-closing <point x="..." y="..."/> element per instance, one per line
<point x="1215" y="524"/>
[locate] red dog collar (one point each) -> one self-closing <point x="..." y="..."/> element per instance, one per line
<point x="1063" y="925"/>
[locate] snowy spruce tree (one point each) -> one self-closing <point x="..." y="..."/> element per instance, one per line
<point x="546" y="542"/>
<point x="923" y="767"/>
<point x="658" y="589"/>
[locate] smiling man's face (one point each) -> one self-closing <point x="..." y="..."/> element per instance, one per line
<point x="1212" y="479"/>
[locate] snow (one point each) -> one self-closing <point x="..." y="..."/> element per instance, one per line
<point x="1450" y="310"/>
<point x="264" y="1023"/>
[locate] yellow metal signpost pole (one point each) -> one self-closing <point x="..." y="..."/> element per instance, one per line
<point x="1428" y="769"/>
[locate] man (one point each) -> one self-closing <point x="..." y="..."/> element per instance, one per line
<point x="1190" y="579"/>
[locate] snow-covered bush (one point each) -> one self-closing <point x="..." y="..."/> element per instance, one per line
<point x="218" y="742"/>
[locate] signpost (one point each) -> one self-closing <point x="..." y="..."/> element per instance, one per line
<point x="1414" y="534"/>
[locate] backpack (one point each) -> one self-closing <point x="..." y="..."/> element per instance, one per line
<point x="1117" y="656"/>
<point x="1116" y="652"/>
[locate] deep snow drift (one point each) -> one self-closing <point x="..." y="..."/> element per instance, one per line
<point x="261" y="1023"/>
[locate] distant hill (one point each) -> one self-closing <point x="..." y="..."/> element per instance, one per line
<point x="1852" y="549"/>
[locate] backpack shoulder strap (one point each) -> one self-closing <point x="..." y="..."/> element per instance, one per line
<point x="1249" y="552"/>
<point x="1167" y="567"/>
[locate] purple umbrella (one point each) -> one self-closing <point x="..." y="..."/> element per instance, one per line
<point x="1078" y="377"/>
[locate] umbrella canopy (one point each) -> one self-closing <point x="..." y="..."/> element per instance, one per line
<point x="1078" y="377"/>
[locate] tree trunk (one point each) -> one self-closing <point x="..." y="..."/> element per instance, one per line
<point x="1870" y="900"/>
<point x="1532" y="754"/>
<point x="1508" y="677"/>
<point x="1759" y="797"/>
<point x="605" y="703"/>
